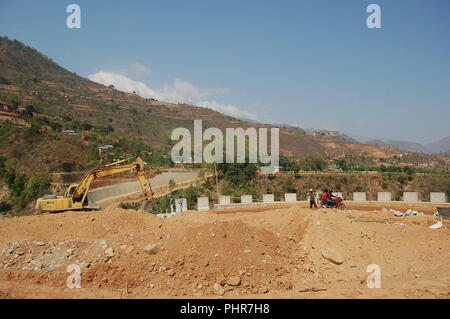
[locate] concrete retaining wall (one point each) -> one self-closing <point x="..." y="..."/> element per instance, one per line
<point x="437" y="197"/>
<point x="268" y="198"/>
<point x="203" y="203"/>
<point x="384" y="196"/>
<point x="359" y="197"/>
<point x="410" y="197"/>
<point x="180" y="205"/>
<point x="224" y="200"/>
<point x="291" y="197"/>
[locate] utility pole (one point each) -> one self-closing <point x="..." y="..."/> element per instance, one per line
<point x="217" y="181"/>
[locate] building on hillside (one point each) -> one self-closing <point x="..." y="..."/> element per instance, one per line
<point x="45" y="128"/>
<point x="86" y="139"/>
<point x="69" y="132"/>
<point x="6" y="108"/>
<point x="270" y="170"/>
<point x="105" y="148"/>
<point x="326" y="133"/>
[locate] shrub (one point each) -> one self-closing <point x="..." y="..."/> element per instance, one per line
<point x="191" y="196"/>
<point x="160" y="205"/>
<point x="4" y="207"/>
<point x="172" y="185"/>
<point x="34" y="188"/>
<point x="130" y="205"/>
<point x="4" y="80"/>
<point x="313" y="163"/>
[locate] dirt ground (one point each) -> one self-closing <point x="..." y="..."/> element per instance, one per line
<point x="275" y="253"/>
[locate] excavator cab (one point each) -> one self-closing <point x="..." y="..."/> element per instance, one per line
<point x="70" y="190"/>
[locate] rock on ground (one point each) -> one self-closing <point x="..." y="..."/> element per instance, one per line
<point x="332" y="255"/>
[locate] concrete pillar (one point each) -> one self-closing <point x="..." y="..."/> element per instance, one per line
<point x="180" y="205"/>
<point x="202" y="203"/>
<point x="437" y="197"/>
<point x="319" y="197"/>
<point x="384" y="196"/>
<point x="359" y="196"/>
<point x="290" y="197"/>
<point x="246" y="199"/>
<point x="268" y="198"/>
<point x="410" y="197"/>
<point x="224" y="200"/>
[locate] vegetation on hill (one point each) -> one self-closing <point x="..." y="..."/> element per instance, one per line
<point x="57" y="121"/>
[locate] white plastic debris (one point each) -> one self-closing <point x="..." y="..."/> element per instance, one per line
<point x="411" y="212"/>
<point x="398" y="213"/>
<point x="436" y="226"/>
<point x="400" y="224"/>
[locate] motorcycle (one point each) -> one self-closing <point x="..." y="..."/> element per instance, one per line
<point x="337" y="202"/>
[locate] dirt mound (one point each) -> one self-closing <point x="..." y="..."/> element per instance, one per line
<point x="276" y="253"/>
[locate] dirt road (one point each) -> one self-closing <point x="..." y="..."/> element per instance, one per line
<point x="275" y="253"/>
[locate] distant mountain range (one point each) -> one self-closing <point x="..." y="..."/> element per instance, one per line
<point x="441" y="146"/>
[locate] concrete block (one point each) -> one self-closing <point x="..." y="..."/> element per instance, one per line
<point x="203" y="203"/>
<point x="181" y="205"/>
<point x="410" y="197"/>
<point x="268" y="198"/>
<point x="384" y="196"/>
<point x="437" y="197"/>
<point x="319" y="196"/>
<point x="290" y="197"/>
<point x="224" y="200"/>
<point x="246" y="199"/>
<point x="359" y="196"/>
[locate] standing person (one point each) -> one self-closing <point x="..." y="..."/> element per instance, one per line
<point x="312" y="198"/>
<point x="171" y="203"/>
<point x="180" y="202"/>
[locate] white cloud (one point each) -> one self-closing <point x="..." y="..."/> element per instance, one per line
<point x="123" y="83"/>
<point x="180" y="91"/>
<point x="229" y="110"/>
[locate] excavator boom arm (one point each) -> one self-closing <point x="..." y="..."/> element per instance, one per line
<point x="80" y="192"/>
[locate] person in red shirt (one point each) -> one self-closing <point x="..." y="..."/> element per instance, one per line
<point x="326" y="199"/>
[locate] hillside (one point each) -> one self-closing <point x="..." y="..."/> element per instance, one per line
<point x="436" y="147"/>
<point x="53" y="98"/>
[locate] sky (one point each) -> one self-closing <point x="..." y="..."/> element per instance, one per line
<point x="315" y="64"/>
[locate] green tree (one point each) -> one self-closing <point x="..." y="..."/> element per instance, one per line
<point x="313" y="162"/>
<point x="238" y="173"/>
<point x="172" y="185"/>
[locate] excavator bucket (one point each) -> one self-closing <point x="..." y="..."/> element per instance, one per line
<point x="146" y="206"/>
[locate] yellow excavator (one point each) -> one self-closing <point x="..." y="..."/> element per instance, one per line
<point x="75" y="197"/>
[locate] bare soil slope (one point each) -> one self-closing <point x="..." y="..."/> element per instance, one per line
<point x="274" y="253"/>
